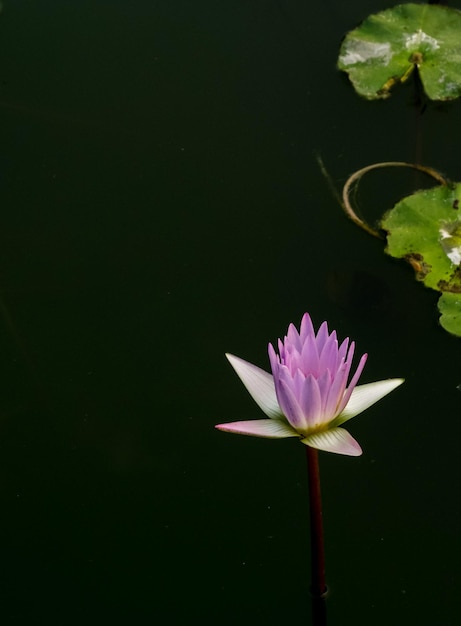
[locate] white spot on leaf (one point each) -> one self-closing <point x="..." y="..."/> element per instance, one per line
<point x="357" y="51"/>
<point x="419" y="38"/>
<point x="450" y="240"/>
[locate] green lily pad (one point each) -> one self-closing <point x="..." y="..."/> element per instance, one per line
<point x="387" y="46"/>
<point x="425" y="229"/>
<point x="419" y="227"/>
<point x="450" y="307"/>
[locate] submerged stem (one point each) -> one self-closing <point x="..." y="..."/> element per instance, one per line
<point x="356" y="176"/>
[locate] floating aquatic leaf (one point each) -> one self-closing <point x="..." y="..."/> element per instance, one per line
<point x="450" y="308"/>
<point x="387" y="46"/>
<point x="425" y="229"/>
<point x="416" y="229"/>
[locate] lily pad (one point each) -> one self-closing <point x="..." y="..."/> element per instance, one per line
<point x="450" y="307"/>
<point x="387" y="46"/>
<point x="425" y="229"/>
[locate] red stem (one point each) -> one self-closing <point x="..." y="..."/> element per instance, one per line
<point x="318" y="584"/>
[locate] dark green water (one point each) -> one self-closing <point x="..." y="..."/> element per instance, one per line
<point x="161" y="204"/>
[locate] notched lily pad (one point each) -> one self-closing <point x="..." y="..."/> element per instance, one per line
<point x="387" y="46"/>
<point x="425" y="230"/>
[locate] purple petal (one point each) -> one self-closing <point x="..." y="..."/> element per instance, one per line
<point x="353" y="383"/>
<point x="273" y="358"/>
<point x="296" y="384"/>
<point x="342" y="351"/>
<point x="329" y="354"/>
<point x="349" y="359"/>
<point x="281" y="348"/>
<point x="290" y="406"/>
<point x="293" y="338"/>
<point x="324" y="383"/>
<point x="322" y="336"/>
<point x="336" y="392"/>
<point x="338" y="388"/>
<point x="311" y="402"/>
<point x="335" y="440"/>
<point x="307" y="328"/>
<point x="270" y="428"/>
<point x="309" y="362"/>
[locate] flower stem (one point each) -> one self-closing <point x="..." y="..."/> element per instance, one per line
<point x="318" y="584"/>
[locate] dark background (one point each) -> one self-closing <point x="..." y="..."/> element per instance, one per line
<point x="161" y="203"/>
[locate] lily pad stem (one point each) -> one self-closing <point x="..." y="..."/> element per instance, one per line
<point x="356" y="176"/>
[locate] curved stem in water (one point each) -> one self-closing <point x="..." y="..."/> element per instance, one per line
<point x="356" y="176"/>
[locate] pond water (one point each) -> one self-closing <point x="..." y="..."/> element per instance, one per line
<point x="162" y="203"/>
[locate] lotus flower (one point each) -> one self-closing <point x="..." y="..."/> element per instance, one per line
<point x="308" y="395"/>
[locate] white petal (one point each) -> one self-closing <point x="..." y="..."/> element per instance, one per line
<point x="335" y="440"/>
<point x="364" y="396"/>
<point x="259" y="383"/>
<point x="272" y="428"/>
